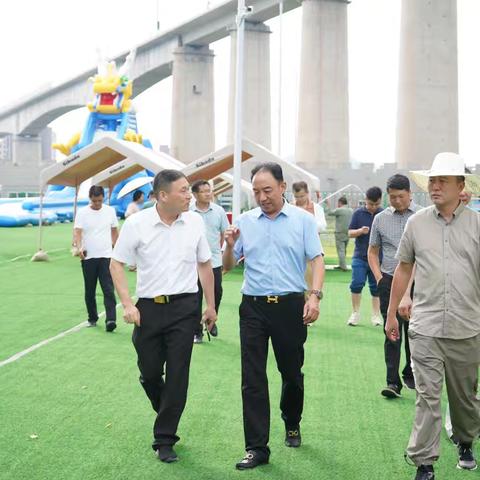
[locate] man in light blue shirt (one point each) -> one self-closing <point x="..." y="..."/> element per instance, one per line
<point x="276" y="240"/>
<point x="216" y="223"/>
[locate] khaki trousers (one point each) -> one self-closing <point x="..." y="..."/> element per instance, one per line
<point x="432" y="360"/>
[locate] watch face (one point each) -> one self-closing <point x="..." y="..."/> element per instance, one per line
<point x="317" y="293"/>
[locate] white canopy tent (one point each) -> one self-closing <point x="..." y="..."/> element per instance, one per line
<point x="216" y="163"/>
<point x="90" y="161"/>
<point x="110" y="161"/>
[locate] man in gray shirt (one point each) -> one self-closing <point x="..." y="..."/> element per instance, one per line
<point x="343" y="216"/>
<point x="387" y="229"/>
<point x="444" y="243"/>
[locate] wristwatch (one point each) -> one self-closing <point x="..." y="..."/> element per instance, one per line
<point x="317" y="293"/>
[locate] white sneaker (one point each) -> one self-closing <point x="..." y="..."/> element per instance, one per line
<point x="353" y="319"/>
<point x="376" y="320"/>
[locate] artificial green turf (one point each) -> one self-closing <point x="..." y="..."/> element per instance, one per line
<point x="80" y="395"/>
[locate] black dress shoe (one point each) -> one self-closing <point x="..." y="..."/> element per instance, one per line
<point x="391" y="391"/>
<point x="409" y="382"/>
<point x="425" y="472"/>
<point x="214" y="330"/>
<point x="293" y="437"/>
<point x="110" y="326"/>
<point x="166" y="454"/>
<point x="252" y="459"/>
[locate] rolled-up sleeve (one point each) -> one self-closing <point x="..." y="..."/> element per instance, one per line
<point x="406" y="251"/>
<point x="125" y="248"/>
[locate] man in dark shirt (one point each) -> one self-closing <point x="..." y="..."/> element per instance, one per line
<point x="359" y="229"/>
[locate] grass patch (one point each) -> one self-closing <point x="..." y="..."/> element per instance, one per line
<point x="81" y="399"/>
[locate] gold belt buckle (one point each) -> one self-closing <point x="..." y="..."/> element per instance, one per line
<point x="161" y="299"/>
<point x="272" y="299"/>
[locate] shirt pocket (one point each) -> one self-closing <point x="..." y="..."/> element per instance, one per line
<point x="187" y="252"/>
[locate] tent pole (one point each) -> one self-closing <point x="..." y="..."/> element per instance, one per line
<point x="74" y="211"/>
<point x="40" y="256"/>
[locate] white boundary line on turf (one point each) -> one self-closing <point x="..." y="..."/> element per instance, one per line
<point x="31" y="349"/>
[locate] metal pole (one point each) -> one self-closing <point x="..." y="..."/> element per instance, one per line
<point x="280" y="16"/>
<point x="75" y="202"/>
<point x="40" y="222"/>
<point x="237" y="152"/>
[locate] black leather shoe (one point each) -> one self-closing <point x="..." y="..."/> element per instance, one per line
<point x="293" y="437"/>
<point x="425" y="472"/>
<point x="166" y="454"/>
<point x="214" y="331"/>
<point x="110" y="326"/>
<point x="252" y="459"/>
<point x="409" y="382"/>
<point x="391" y="391"/>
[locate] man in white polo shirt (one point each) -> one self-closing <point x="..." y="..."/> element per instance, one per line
<point x="168" y="245"/>
<point x="95" y="231"/>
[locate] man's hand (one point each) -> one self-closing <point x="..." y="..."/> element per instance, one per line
<point x="209" y="317"/>
<point x="131" y="314"/>
<point x="364" y="230"/>
<point x="231" y="235"/>
<point x="405" y="307"/>
<point x="391" y="328"/>
<point x="378" y="279"/>
<point x="311" y="310"/>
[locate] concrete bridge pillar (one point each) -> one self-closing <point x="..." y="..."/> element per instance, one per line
<point x="193" y="116"/>
<point x="323" y="130"/>
<point x="427" y="117"/>
<point x="26" y="150"/>
<point x="21" y="160"/>
<point x="256" y="95"/>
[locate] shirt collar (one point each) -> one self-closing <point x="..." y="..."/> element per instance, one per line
<point x="196" y="209"/>
<point x="461" y="207"/>
<point x="285" y="211"/>
<point x="364" y="209"/>
<point x="155" y="217"/>
<point x="412" y="207"/>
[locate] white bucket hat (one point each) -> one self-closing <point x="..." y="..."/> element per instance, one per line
<point x="447" y="164"/>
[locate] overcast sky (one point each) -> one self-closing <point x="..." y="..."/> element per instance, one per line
<point x="48" y="41"/>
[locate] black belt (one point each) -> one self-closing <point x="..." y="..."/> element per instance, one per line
<point x="162" y="299"/>
<point x="274" y="298"/>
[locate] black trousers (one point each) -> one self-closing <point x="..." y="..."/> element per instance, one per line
<point x="164" y="343"/>
<point x="217" y="277"/>
<point x="282" y="322"/>
<point x="98" y="269"/>
<point x="393" y="350"/>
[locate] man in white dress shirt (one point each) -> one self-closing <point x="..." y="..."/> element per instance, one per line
<point x="168" y="244"/>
